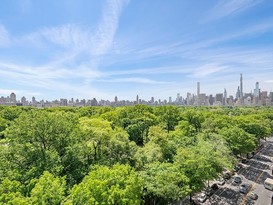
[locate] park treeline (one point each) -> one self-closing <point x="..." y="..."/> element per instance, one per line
<point x="121" y="156"/>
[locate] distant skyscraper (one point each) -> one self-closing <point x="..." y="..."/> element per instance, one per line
<point x="116" y="99"/>
<point x="137" y="99"/>
<point x="178" y="97"/>
<point x="198" y="93"/>
<point x="33" y="100"/>
<point x="219" y="98"/>
<point x="238" y="93"/>
<point x="23" y="100"/>
<point x="225" y="97"/>
<point x="225" y="93"/>
<point x="13" y="98"/>
<point x="241" y="86"/>
<point x="257" y="90"/>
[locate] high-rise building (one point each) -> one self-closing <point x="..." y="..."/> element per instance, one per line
<point x="257" y="90"/>
<point x="241" y="87"/>
<point x="170" y="99"/>
<point x="116" y="99"/>
<point x="137" y="99"/>
<point x="94" y="102"/>
<point x="33" y="100"/>
<point x="271" y="96"/>
<point x="178" y="97"/>
<point x="12" y="98"/>
<point x="23" y="100"/>
<point x="152" y="99"/>
<point x="225" y="97"/>
<point x="197" y="99"/>
<point x="263" y="97"/>
<point x="219" y="98"/>
<point x="238" y="93"/>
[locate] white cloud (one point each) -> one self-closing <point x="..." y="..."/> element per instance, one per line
<point x="4" y="36"/>
<point x="230" y="7"/>
<point x="73" y="66"/>
<point x="151" y="71"/>
<point x="83" y="38"/>
<point x="206" y="70"/>
<point x="68" y="36"/>
<point x="108" y="26"/>
<point x="133" y="80"/>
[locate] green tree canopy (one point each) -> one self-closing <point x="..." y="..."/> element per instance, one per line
<point x="48" y="190"/>
<point x="104" y="185"/>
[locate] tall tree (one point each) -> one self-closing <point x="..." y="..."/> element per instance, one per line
<point x="38" y="141"/>
<point x="164" y="183"/>
<point x="48" y="190"/>
<point x="119" y="185"/>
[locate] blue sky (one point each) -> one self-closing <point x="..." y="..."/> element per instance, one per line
<point x="106" y="48"/>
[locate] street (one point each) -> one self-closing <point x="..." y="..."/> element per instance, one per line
<point x="253" y="173"/>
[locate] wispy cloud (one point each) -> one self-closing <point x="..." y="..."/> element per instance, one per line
<point x="84" y="38"/>
<point x="187" y="48"/>
<point x="76" y="53"/>
<point x="133" y="80"/>
<point x="4" y="36"/>
<point x="151" y="71"/>
<point x="208" y="69"/>
<point x="230" y="7"/>
<point x="108" y="26"/>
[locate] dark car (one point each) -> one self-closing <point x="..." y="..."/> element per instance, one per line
<point x="237" y="167"/>
<point x="244" y="161"/>
<point x="244" y="188"/>
<point x="214" y="187"/>
<point x="250" y="155"/>
<point x="227" y="176"/>
<point x="237" y="180"/>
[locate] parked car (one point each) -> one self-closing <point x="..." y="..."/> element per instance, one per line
<point x="253" y="196"/>
<point x="214" y="187"/>
<point x="202" y="197"/>
<point x="237" y="167"/>
<point x="250" y="155"/>
<point x="227" y="176"/>
<point x="221" y="182"/>
<point x="244" y="161"/>
<point x="209" y="191"/>
<point x="244" y="188"/>
<point x="237" y="180"/>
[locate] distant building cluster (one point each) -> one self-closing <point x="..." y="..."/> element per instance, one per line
<point x="255" y="98"/>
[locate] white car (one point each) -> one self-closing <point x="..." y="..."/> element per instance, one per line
<point x="221" y="182"/>
<point x="202" y="197"/>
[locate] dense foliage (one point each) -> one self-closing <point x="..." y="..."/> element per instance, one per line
<point x="121" y="156"/>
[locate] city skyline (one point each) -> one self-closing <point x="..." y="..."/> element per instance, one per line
<point x="108" y="48"/>
<point x="256" y="97"/>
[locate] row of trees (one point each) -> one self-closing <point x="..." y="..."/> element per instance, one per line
<point x="125" y="155"/>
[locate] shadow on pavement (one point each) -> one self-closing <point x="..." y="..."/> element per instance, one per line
<point x="262" y="158"/>
<point x="229" y="196"/>
<point x="256" y="175"/>
<point x="268" y="151"/>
